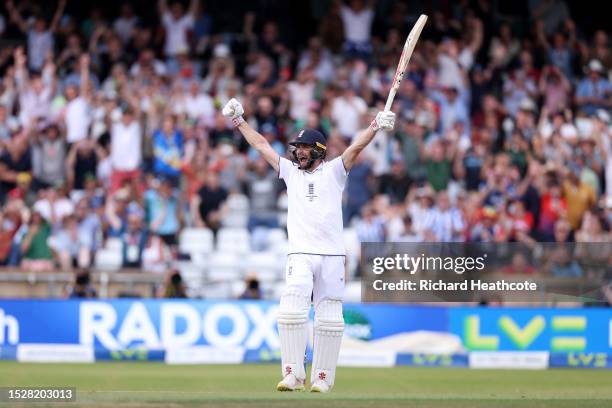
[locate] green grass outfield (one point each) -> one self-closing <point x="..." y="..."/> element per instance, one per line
<point x="131" y="384"/>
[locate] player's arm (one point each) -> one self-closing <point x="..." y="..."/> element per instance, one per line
<point x="384" y="120"/>
<point x="233" y="109"/>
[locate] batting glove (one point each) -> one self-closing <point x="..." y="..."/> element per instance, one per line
<point x="234" y="110"/>
<point x="385" y="120"/>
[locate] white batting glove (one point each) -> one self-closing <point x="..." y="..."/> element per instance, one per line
<point x="385" y="120"/>
<point x="234" y="110"/>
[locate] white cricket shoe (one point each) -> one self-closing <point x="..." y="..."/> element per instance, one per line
<point x="290" y="383"/>
<point x="319" y="386"/>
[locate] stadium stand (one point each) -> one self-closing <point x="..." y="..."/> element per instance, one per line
<point x="114" y="156"/>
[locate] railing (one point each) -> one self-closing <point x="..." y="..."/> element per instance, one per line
<point x="16" y="283"/>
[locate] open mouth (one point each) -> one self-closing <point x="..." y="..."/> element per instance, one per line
<point x="302" y="160"/>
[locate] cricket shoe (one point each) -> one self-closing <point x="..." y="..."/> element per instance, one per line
<point x="290" y="383"/>
<point x="319" y="386"/>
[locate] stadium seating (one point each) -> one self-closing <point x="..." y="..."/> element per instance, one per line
<point x="233" y="240"/>
<point x="266" y="265"/>
<point x="224" y="266"/>
<point x="193" y="277"/>
<point x="237" y="211"/>
<point x="282" y="205"/>
<point x="196" y="241"/>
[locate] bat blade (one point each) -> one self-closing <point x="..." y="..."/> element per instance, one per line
<point x="411" y="41"/>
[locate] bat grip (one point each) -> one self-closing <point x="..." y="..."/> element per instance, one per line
<point x="390" y="99"/>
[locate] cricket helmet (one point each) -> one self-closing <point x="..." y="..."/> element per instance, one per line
<point x="313" y="138"/>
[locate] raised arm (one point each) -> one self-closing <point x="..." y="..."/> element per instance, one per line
<point x="162" y="7"/>
<point x="84" y="82"/>
<point x="70" y="161"/>
<point x="59" y="12"/>
<point x="384" y="120"/>
<point x="234" y="110"/>
<point x="21" y="73"/>
<point x="477" y="35"/>
<point x="15" y="16"/>
<point x="193" y="8"/>
<point x="541" y="34"/>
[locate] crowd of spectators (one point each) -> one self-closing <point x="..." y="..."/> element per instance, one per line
<point x="111" y="128"/>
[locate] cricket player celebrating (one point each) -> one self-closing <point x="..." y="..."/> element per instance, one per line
<point x="315" y="264"/>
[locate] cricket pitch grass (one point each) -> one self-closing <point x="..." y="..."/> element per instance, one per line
<point x="146" y="384"/>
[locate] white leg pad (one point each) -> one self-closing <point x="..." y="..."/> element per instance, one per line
<point x="329" y="327"/>
<point x="293" y="332"/>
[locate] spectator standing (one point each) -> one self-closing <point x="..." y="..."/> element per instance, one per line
<point x="125" y="24"/>
<point x="48" y="156"/>
<point x="40" y="36"/>
<point x="168" y="151"/>
<point x="35" y="90"/>
<point x="444" y="222"/>
<point x="207" y="205"/>
<point x="301" y="95"/>
<point x="347" y="109"/>
<point x="163" y="209"/>
<point x="357" y="19"/>
<point x="126" y="149"/>
<point x="177" y="24"/>
<point x="76" y="114"/>
<point x="82" y="162"/>
<point x="579" y="197"/>
<point x="594" y="91"/>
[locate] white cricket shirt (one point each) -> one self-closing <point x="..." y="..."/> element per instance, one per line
<point x="314" y="219"/>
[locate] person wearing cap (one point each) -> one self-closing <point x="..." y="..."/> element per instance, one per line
<point x="593" y="92"/>
<point x="316" y="263"/>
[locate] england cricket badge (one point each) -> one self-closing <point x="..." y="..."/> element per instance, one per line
<point x="311" y="192"/>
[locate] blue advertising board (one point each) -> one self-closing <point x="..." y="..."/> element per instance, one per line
<point x="153" y="324"/>
<point x="145" y="330"/>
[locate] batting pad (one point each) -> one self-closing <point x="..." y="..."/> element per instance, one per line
<point x="293" y="334"/>
<point x="329" y="327"/>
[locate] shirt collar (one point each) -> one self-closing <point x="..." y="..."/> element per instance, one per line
<point x="319" y="167"/>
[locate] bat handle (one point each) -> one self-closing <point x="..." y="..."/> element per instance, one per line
<point x="390" y="99"/>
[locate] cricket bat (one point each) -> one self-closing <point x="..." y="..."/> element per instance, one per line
<point x="411" y="41"/>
